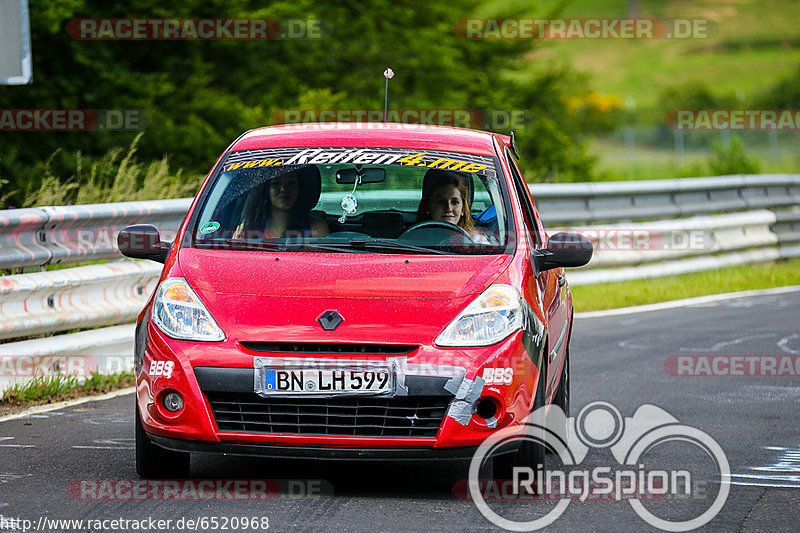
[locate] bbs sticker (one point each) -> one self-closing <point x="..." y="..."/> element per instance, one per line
<point x="161" y="368"/>
<point x="498" y="376"/>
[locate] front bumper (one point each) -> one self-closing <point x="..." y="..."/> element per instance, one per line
<point x="203" y="372"/>
<point x="463" y="453"/>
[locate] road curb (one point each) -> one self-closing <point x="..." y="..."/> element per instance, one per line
<point x="67" y="403"/>
<point x="698" y="300"/>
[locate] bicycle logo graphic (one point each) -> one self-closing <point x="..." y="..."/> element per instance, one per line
<point x="600" y="425"/>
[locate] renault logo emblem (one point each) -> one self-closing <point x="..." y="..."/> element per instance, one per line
<point x="330" y="320"/>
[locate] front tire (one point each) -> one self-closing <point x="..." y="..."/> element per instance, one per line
<point x="531" y="451"/>
<point x="562" y="397"/>
<point x="154" y="462"/>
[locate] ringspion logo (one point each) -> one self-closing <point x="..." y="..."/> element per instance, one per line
<point x="600" y="425"/>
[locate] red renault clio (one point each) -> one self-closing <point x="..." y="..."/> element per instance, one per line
<point x="353" y="291"/>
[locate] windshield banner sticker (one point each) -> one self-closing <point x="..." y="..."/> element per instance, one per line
<point x="477" y="164"/>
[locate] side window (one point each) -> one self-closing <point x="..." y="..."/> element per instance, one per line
<point x="525" y="200"/>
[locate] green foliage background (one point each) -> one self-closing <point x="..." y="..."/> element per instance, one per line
<point x="200" y="95"/>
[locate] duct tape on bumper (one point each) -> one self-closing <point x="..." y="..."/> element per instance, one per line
<point x="466" y="393"/>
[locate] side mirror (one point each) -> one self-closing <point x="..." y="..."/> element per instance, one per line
<point x="142" y="241"/>
<point x="563" y="250"/>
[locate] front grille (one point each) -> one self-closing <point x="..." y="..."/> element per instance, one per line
<point x="329" y="347"/>
<point x="406" y="416"/>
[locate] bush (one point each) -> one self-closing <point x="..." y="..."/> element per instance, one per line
<point x="732" y="159"/>
<point x="116" y="177"/>
<point x="784" y="95"/>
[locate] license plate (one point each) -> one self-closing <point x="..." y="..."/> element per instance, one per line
<point x="326" y="381"/>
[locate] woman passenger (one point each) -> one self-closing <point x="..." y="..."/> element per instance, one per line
<point x="286" y="214"/>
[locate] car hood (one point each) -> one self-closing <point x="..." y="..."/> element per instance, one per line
<point x="339" y="275"/>
<point x="263" y="295"/>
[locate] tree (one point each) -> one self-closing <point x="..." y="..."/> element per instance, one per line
<point x="200" y="95"/>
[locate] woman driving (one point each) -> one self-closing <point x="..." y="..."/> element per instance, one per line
<point x="445" y="198"/>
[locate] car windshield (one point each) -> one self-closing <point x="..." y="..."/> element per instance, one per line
<point x="350" y="199"/>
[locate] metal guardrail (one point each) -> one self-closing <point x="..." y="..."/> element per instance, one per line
<point x="747" y="219"/>
<point x="591" y="203"/>
<point x="82" y="297"/>
<point x="52" y="235"/>
<point x="69" y="234"/>
<point x="664" y="240"/>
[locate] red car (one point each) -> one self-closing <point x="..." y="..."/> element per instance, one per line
<point x="353" y="291"/>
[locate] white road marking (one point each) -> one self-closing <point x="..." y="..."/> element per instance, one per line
<point x="14" y="445"/>
<point x="102" y="421"/>
<point x="755" y="484"/>
<point x="783" y="344"/>
<point x="784" y="472"/>
<point x="722" y="344"/>
<point x="69" y="403"/>
<point x="6" y="477"/>
<point x="630" y="343"/>
<point x="104" y="447"/>
<point x="674" y="304"/>
<point x="122" y="443"/>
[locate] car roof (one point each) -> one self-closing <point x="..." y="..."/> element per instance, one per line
<point x="371" y="134"/>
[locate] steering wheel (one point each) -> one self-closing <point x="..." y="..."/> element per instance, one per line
<point x="437" y="225"/>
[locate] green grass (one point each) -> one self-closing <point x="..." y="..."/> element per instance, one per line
<point x="57" y="387"/>
<point x="647" y="291"/>
<point x="118" y="176"/>
<point x="755" y="46"/>
<point x="616" y="162"/>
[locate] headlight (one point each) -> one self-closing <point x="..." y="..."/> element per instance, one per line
<point x="490" y="318"/>
<point x="178" y="312"/>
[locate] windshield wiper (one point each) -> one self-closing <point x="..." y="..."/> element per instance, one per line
<point x="239" y="244"/>
<point x="370" y="245"/>
<point x="378" y="245"/>
<point x="320" y="247"/>
<point x="244" y="244"/>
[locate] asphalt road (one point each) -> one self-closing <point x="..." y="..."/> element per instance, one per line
<point x="56" y="465"/>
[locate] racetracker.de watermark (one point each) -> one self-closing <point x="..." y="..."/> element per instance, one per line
<point x="486" y="119"/>
<point x="638" y="239"/>
<point x="79" y="366"/>
<point x="732" y="365"/>
<point x="229" y="490"/>
<point x="733" y="119"/>
<point x="203" y="29"/>
<point x="589" y="28"/>
<point x="73" y="120"/>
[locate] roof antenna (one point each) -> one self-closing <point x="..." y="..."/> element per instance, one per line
<point x="388" y="74"/>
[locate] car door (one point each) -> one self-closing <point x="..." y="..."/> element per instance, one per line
<point x="551" y="284"/>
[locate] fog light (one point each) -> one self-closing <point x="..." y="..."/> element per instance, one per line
<point x="486" y="408"/>
<point x="173" y="402"/>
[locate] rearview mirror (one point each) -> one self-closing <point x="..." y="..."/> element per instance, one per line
<point x="143" y="241"/>
<point x="368" y="175"/>
<point x="563" y="250"/>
